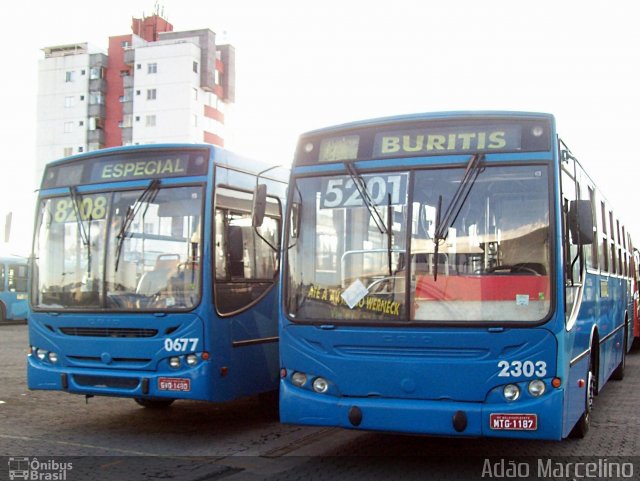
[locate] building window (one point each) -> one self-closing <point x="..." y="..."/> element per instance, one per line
<point x="83" y="72"/>
<point x="69" y="76"/>
<point x="150" y="121"/>
<point x="68" y="102"/>
<point x="68" y="127"/>
<point x="137" y="118"/>
<point x="195" y="94"/>
<point x="81" y="123"/>
<point x="82" y="98"/>
<point x="151" y="94"/>
<point x="152" y="68"/>
<point x="95" y="123"/>
<point x="96" y="73"/>
<point x="125" y="44"/>
<point x="67" y="151"/>
<point x="80" y="149"/>
<point x="137" y="92"/>
<point x="126" y="121"/>
<point x="195" y="66"/>
<point x="96" y="98"/>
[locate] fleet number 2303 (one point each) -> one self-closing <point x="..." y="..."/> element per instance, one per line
<point x="522" y="368"/>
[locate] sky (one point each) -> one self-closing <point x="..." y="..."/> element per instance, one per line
<point x="304" y="65"/>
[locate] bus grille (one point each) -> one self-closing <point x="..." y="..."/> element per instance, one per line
<point x="122" y="360"/>
<point x="108" y="332"/>
<point x="106" y="381"/>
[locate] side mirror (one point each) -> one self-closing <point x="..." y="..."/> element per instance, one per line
<point x="259" y="206"/>
<point x="581" y="221"/>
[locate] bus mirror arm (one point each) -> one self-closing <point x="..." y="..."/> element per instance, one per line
<point x="581" y="222"/>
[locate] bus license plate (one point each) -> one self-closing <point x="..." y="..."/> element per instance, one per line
<point x="513" y="422"/>
<point x="174" y="384"/>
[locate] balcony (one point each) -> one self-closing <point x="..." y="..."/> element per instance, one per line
<point x="95" y="136"/>
<point x="97" y="110"/>
<point x="127" y="135"/>
<point x="129" y="56"/>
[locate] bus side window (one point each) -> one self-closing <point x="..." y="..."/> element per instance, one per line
<point x="17" y="278"/>
<point x="246" y="264"/>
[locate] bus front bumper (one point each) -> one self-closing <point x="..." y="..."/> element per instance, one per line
<point x="187" y="383"/>
<point x="530" y="419"/>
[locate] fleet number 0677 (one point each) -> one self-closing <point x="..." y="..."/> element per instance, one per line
<point x="181" y="344"/>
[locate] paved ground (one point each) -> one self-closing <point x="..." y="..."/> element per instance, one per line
<point x="114" y="439"/>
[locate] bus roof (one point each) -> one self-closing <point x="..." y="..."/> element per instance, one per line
<point x="438" y="133"/>
<point x="425" y="116"/>
<point x="144" y="162"/>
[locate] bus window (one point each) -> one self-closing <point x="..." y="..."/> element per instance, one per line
<point x="246" y="261"/>
<point x="17" y="278"/>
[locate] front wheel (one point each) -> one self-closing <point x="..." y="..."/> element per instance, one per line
<point x="581" y="429"/>
<point x="153" y="403"/>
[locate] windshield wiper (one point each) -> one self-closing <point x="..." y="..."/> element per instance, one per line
<point x="85" y="234"/>
<point x="366" y="198"/>
<point x="146" y="198"/>
<point x="471" y="172"/>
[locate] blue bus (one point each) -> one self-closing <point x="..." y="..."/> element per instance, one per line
<point x="450" y="274"/>
<point x="149" y="280"/>
<point x="14" y="282"/>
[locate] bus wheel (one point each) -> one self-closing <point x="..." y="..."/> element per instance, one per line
<point x="582" y="427"/>
<point x="618" y="374"/>
<point x="153" y="403"/>
<point x="3" y="316"/>
<point x="270" y="404"/>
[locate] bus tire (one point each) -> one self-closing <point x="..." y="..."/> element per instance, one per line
<point x="3" y="312"/>
<point x="153" y="403"/>
<point x="581" y="428"/>
<point x="270" y="404"/>
<point x="618" y="373"/>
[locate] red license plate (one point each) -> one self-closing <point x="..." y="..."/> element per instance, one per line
<point x="174" y="384"/>
<point x="513" y="422"/>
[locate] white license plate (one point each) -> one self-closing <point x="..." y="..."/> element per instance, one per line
<point x="513" y="422"/>
<point x="174" y="384"/>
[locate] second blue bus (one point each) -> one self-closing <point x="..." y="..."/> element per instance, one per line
<point x="450" y="274"/>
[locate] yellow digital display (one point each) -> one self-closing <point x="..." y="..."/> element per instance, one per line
<point x="333" y="149"/>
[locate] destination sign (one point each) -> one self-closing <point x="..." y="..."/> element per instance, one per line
<point x="131" y="165"/>
<point x="454" y="140"/>
<point x="413" y="137"/>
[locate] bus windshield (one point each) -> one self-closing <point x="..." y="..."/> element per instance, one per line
<point x="123" y="250"/>
<point x="489" y="263"/>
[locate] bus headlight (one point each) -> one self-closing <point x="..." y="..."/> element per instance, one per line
<point x="511" y="392"/>
<point x="174" y="362"/>
<point x="320" y="385"/>
<point x="537" y="388"/>
<point x="41" y="354"/>
<point x="299" y="379"/>
<point x="53" y="357"/>
<point x="192" y="359"/>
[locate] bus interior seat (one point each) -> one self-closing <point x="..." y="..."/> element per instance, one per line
<point x="157" y="280"/>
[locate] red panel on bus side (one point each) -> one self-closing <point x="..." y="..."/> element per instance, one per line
<point x="482" y="288"/>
